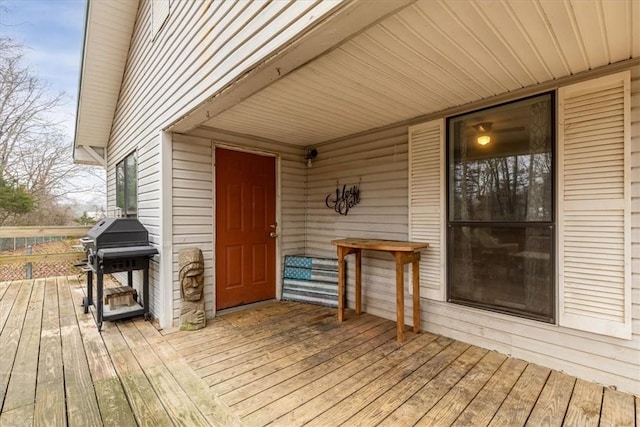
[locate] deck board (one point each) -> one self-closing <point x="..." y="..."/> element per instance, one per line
<point x="22" y="416"/>
<point x="379" y="409"/>
<point x="447" y="409"/>
<point x="50" y="402"/>
<point x="307" y="355"/>
<point x="82" y="404"/>
<point x="486" y="403"/>
<point x="585" y="405"/>
<point x="617" y="409"/>
<point x="518" y="405"/>
<point x="22" y="385"/>
<point x="10" y="337"/>
<point x="290" y="394"/>
<point x="210" y="405"/>
<point x="146" y="405"/>
<point x="181" y="410"/>
<point x="7" y="301"/>
<point x="361" y="397"/>
<point x="236" y="344"/>
<point x="223" y="335"/>
<point x="287" y="345"/>
<point x="432" y="392"/>
<point x="552" y="403"/>
<point x="275" y="363"/>
<point x="328" y="392"/>
<point x="112" y="402"/>
<point x="3" y="288"/>
<point x="238" y="349"/>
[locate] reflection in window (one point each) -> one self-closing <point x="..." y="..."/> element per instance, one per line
<point x="501" y="208"/>
<point x="127" y="186"/>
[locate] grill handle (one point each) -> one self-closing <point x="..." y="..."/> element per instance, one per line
<point x="85" y="240"/>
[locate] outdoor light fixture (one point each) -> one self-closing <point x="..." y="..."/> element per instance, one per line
<point x="312" y="153"/>
<point x="483" y="139"/>
<point x="483" y="130"/>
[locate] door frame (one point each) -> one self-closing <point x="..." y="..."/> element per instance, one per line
<point x="251" y="150"/>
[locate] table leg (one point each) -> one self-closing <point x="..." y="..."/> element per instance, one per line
<point x="399" y="296"/>
<point x="340" y="284"/>
<point x="416" y="293"/>
<point x="358" y="281"/>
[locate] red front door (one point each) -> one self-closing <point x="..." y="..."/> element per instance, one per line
<point x="245" y="217"/>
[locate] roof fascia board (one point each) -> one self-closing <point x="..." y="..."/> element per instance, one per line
<point x="82" y="58"/>
<point x="91" y="16"/>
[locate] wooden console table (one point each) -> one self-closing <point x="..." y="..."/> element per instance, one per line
<point x="403" y="253"/>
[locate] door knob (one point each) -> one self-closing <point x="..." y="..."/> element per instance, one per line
<point x="273" y="234"/>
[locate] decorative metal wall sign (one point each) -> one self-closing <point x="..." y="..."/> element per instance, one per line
<point x="343" y="199"/>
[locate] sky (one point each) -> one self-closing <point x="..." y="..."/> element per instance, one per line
<point x="51" y="32"/>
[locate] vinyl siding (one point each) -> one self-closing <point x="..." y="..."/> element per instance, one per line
<point x="201" y="48"/>
<point x="192" y="210"/>
<point x="378" y="164"/>
<point x="380" y="160"/>
<point x="193" y="200"/>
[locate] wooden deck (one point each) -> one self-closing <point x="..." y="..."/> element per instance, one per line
<point x="56" y="369"/>
<point x="278" y="363"/>
<point x="290" y="364"/>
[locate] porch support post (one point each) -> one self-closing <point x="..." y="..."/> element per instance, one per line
<point x="165" y="281"/>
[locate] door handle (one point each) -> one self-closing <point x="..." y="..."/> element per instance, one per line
<point x="273" y="234"/>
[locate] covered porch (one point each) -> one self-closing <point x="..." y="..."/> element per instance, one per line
<point x="279" y="363"/>
<point x="379" y="111"/>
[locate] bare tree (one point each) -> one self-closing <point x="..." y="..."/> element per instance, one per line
<point x="24" y="101"/>
<point x="35" y="153"/>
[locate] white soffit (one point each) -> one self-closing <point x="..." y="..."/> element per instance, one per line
<point x="108" y="33"/>
<point x="435" y="55"/>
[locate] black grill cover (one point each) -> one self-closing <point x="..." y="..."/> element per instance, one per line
<point x="117" y="233"/>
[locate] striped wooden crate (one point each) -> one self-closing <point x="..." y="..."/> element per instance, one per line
<point x="310" y="279"/>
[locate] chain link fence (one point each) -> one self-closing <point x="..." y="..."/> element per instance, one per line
<point x="17" y="243"/>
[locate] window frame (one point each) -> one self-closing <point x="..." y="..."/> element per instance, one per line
<point x="126" y="210"/>
<point x="552" y="222"/>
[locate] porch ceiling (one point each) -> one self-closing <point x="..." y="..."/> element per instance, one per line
<point x="435" y="55"/>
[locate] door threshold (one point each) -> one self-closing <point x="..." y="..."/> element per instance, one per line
<point x="243" y="307"/>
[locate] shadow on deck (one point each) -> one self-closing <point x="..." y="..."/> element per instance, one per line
<point x="280" y="362"/>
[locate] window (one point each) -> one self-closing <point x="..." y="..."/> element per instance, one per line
<point x="127" y="186"/>
<point x="500" y="208"/>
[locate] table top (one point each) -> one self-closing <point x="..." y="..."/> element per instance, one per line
<point x="380" y="245"/>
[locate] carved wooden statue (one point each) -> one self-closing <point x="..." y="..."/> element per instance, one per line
<point x="192" y="314"/>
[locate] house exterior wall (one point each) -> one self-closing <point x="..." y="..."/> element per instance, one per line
<point x="379" y="162"/>
<point x="193" y="204"/>
<point x="174" y="65"/>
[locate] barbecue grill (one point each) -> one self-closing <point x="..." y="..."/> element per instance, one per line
<point x="111" y="246"/>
